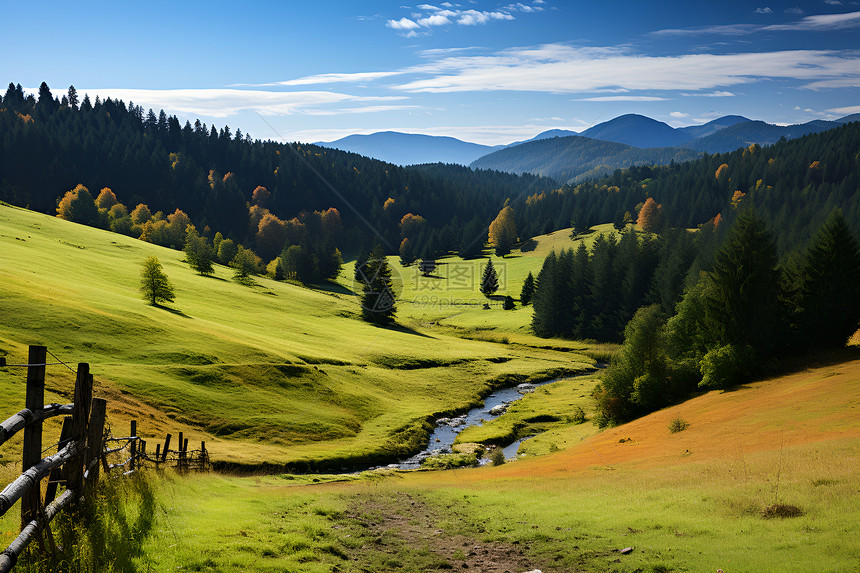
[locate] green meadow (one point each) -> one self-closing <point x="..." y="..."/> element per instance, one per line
<point x="268" y="374"/>
<point x="276" y="375"/>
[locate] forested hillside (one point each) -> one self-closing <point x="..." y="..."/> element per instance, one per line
<point x="794" y="184"/>
<point x="50" y="145"/>
<point x="574" y="158"/>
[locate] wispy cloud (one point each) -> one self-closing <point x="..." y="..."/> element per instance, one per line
<point x="817" y="23"/>
<point x="227" y="102"/>
<point x="849" y="110"/>
<point x="352" y="77"/>
<point x="721" y="93"/>
<point x="557" y="68"/>
<point x="624" y="98"/>
<point x="764" y="10"/>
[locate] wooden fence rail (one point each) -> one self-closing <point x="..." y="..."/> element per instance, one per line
<point x="80" y="441"/>
<point x="82" y="451"/>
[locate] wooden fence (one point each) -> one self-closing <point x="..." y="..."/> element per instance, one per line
<point x="82" y="449"/>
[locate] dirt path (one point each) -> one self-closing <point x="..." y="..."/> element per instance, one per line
<point x="401" y="532"/>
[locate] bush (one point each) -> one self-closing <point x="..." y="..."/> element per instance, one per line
<point x="497" y="458"/>
<point x="577" y="416"/>
<point x="725" y="367"/>
<point x="678" y="425"/>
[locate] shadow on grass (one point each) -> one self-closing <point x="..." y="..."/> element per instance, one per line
<point x="175" y="311"/>
<point x="336" y="288"/>
<point x="404" y="329"/>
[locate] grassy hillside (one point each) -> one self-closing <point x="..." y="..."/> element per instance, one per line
<point x="695" y="500"/>
<point x="272" y="372"/>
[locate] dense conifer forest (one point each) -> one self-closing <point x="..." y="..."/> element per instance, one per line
<point x="49" y="145"/>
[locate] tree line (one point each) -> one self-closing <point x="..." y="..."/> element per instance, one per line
<point x="738" y="319"/>
<point x="157" y="167"/>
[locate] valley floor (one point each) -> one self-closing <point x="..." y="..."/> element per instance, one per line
<point x="697" y="500"/>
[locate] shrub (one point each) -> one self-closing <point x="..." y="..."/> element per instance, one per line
<point x="497" y="458"/>
<point x="678" y="425"/>
<point x="724" y="367"/>
<point x="577" y="416"/>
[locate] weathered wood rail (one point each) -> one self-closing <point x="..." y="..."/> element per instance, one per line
<point x="82" y="450"/>
<point x="80" y="441"/>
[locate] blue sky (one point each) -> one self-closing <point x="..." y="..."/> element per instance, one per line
<point x="483" y="71"/>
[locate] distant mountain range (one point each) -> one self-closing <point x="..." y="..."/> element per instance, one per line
<point x="411" y="148"/>
<point x="638" y="140"/>
<point x="568" y="156"/>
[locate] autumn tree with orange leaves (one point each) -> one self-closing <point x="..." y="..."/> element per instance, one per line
<point x="649" y="216"/>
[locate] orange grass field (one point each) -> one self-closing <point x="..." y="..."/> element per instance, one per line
<point x="814" y="405"/>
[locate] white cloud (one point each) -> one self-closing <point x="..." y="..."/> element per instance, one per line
<point x="820" y="23"/>
<point x="795" y="11"/>
<point x="624" y="98"/>
<point x="402" y="24"/>
<point x="434" y="20"/>
<point x="851" y="109"/>
<point x="557" y="68"/>
<point x="679" y="114"/>
<point x="833" y="2"/>
<point x="430" y="16"/>
<point x="226" y="102"/>
<point x="850" y="82"/>
<point x="764" y="10"/>
<point x="817" y="23"/>
<point x="711" y="94"/>
<point x="334" y="78"/>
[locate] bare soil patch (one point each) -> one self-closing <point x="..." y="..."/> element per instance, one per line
<point x="402" y="532"/>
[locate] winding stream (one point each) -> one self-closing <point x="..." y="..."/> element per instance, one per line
<point x="447" y="429"/>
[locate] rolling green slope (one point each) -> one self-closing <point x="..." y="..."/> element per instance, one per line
<point x="271" y="373"/>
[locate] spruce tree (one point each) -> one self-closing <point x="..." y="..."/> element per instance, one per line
<point x="743" y="306"/>
<point x="489" y="280"/>
<point x="829" y="290"/>
<point x="528" y="290"/>
<point x="378" y="304"/>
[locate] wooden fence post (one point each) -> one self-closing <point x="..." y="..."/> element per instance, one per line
<point x="166" y="447"/>
<point x="95" y="442"/>
<point x="202" y="455"/>
<point x="157" y="454"/>
<point x="80" y="417"/>
<point x="32" y="453"/>
<point x="57" y="473"/>
<point x="180" y="453"/>
<point x="185" y="454"/>
<point x="133" y="446"/>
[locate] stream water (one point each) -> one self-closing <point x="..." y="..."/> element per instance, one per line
<point x="447" y="429"/>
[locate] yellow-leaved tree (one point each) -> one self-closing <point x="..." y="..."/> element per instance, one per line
<point x="503" y="231"/>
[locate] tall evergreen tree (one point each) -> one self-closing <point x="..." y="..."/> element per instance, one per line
<point x="743" y="306"/>
<point x="829" y="290"/>
<point x="528" y="289"/>
<point x="489" y="279"/>
<point x="378" y="301"/>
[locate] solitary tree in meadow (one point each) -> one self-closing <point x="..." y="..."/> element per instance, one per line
<point x="154" y="284"/>
<point x="489" y="280"/>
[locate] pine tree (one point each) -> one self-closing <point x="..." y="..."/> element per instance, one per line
<point x="743" y="306"/>
<point x="829" y="290"/>
<point x="528" y="289"/>
<point x="154" y="284"/>
<point x="489" y="279"/>
<point x="378" y="304"/>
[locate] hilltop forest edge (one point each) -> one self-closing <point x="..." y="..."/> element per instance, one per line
<point x="773" y="267"/>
